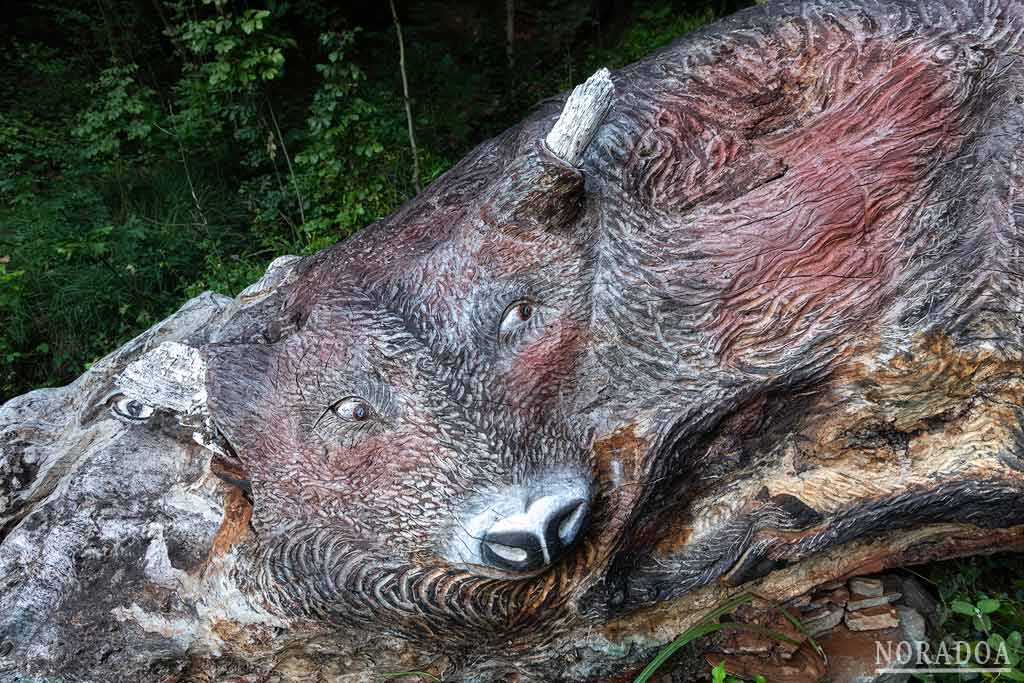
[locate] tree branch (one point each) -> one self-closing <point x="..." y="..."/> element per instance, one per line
<point x="405" y="93"/>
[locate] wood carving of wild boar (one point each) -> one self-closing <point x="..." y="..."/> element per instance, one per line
<point x="774" y="306"/>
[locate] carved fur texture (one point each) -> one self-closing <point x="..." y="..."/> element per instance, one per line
<point x="768" y="331"/>
<point x="792" y="203"/>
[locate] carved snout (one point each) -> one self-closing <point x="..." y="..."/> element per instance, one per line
<point x="537" y="537"/>
<point x="519" y="529"/>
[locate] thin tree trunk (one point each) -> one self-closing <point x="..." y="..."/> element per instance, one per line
<point x="405" y="93"/>
<point x="510" y="33"/>
<point x="287" y="159"/>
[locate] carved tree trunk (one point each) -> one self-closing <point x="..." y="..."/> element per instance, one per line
<point x="808" y="217"/>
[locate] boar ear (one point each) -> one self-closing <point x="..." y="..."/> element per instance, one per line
<point x="542" y="189"/>
<point x="237" y="381"/>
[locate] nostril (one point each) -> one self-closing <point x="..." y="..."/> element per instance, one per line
<point x="512" y="545"/>
<point x="537" y="537"/>
<point x="508" y="553"/>
<point x="570" y="522"/>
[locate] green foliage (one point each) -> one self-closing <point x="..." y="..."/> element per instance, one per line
<point x="228" y="58"/>
<point x="120" y="113"/>
<point x="339" y="165"/>
<point x="151" y="151"/>
<point x="982" y="601"/>
<point x="720" y="675"/>
<point x="655" y="27"/>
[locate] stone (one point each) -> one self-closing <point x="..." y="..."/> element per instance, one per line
<point x="864" y="603"/>
<point x="837" y="596"/>
<point x="823" y="619"/>
<point x="913" y="623"/>
<point x="872" y="619"/>
<point x="866" y="587"/>
<point x="800" y="602"/>
<point x="920" y="598"/>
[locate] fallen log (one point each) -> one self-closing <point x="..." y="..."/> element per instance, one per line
<point x="743" y="317"/>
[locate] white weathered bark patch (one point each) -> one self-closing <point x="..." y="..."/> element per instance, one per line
<point x="278" y="273"/>
<point x="581" y="116"/>
<point x="171" y="376"/>
<point x="158" y="566"/>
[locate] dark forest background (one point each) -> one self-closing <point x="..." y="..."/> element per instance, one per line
<point x="154" y="149"/>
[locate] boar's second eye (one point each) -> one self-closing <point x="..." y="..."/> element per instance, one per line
<point x="516" y="317"/>
<point x="131" y="409"/>
<point x="352" y="409"/>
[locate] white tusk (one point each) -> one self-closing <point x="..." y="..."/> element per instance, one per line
<point x="581" y="117"/>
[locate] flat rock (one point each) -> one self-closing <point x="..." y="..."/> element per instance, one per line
<point x="838" y="596"/>
<point x="866" y="587"/>
<point x="825" y="619"/>
<point x="919" y="597"/>
<point x="867" y="603"/>
<point x="801" y="602"/>
<point x="872" y="619"/>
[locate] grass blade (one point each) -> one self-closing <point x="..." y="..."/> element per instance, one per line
<point x="708" y="625"/>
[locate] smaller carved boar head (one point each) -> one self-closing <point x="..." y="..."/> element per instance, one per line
<point x="379" y="466"/>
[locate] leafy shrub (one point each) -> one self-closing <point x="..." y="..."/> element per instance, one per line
<point x="982" y="601"/>
<point x="150" y="151"/>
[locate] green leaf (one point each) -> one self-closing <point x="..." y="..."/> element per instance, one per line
<point x="988" y="605"/>
<point x="225" y="45"/>
<point x="718" y="673"/>
<point x="962" y="607"/>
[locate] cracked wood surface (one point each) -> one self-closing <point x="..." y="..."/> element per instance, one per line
<point x="778" y="328"/>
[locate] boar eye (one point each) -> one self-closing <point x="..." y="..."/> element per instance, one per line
<point x="352" y="409"/>
<point x="516" y="317"/>
<point x="131" y="409"/>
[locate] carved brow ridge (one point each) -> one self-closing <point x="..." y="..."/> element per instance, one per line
<point x="388" y="314"/>
<point x="447" y="363"/>
<point x="405" y="306"/>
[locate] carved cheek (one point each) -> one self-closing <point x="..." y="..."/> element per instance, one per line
<point x="542" y="366"/>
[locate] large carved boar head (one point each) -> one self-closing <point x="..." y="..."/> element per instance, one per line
<point x="724" y="341"/>
<point x="394" y="481"/>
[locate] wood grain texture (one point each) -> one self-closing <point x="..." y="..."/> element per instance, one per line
<point x="776" y="329"/>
